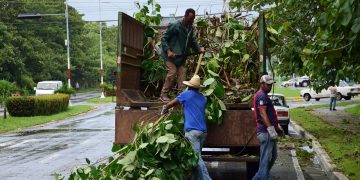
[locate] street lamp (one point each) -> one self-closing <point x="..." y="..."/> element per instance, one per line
<point x="67" y="41"/>
<point x="101" y="64"/>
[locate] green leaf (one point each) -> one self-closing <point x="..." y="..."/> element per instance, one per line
<point x="143" y="145"/>
<point x="208" y="81"/>
<point x="219" y="90"/>
<point x="218" y="32"/>
<point x="356" y="25"/>
<point x="162" y="139"/>
<point x="87" y="170"/>
<point x="228" y="44"/>
<point x="168" y="126"/>
<point x="236" y="34"/>
<point x="307" y="51"/>
<point x="345" y="13"/>
<point x="212" y="73"/>
<point x="115" y="148"/>
<point x="272" y="30"/>
<point x="245" y="57"/>
<point x="165" y="148"/>
<point x="209" y="92"/>
<point x="128" y="159"/>
<point x="129" y="167"/>
<point x="155" y="178"/>
<point x="150" y="171"/>
<point x="235" y="51"/>
<point x="222" y="105"/>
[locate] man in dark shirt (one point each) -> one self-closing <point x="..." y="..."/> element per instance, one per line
<point x="267" y="128"/>
<point x="176" y="42"/>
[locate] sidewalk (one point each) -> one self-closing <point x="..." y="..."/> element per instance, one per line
<point x="339" y="119"/>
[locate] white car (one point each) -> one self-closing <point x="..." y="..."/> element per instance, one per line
<point x="289" y="83"/>
<point x="47" y="87"/>
<point x="343" y="91"/>
<point x="303" y="81"/>
<point x="282" y="110"/>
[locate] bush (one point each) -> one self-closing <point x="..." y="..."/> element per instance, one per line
<point x="109" y="90"/>
<point x="21" y="106"/>
<point x="65" y="90"/>
<point x="37" y="105"/>
<point x="6" y="88"/>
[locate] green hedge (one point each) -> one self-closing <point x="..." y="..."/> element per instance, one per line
<point x="109" y="89"/>
<point x="37" y="105"/>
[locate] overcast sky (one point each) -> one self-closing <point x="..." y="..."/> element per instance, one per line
<point x="110" y="8"/>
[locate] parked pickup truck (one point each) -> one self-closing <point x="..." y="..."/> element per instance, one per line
<point x="343" y="91"/>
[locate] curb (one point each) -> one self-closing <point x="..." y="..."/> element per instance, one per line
<point x="295" y="99"/>
<point x="324" y="159"/>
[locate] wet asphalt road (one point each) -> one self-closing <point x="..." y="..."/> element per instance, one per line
<point x="40" y="152"/>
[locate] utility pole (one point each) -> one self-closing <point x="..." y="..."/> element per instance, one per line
<point x="101" y="65"/>
<point x="67" y="43"/>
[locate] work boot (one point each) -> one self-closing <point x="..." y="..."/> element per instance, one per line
<point x="164" y="98"/>
<point x="334" y="109"/>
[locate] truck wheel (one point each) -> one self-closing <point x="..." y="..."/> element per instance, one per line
<point x="307" y="97"/>
<point x="317" y="99"/>
<point x="286" y="129"/>
<point x="286" y="85"/>
<point x="338" y="96"/>
<point x="347" y="97"/>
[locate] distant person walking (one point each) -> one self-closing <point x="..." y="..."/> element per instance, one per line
<point x="333" y="92"/>
<point x="77" y="86"/>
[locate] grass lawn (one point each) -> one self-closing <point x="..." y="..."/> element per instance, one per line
<point x="354" y="110"/>
<point x="342" y="146"/>
<point x="102" y="100"/>
<point x="17" y="123"/>
<point x="85" y="90"/>
<point x="287" y="92"/>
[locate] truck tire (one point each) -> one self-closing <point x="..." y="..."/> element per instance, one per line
<point x="338" y="96"/>
<point x="347" y="97"/>
<point x="307" y="97"/>
<point x="286" y="85"/>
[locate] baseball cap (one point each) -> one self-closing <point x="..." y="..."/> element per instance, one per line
<point x="266" y="79"/>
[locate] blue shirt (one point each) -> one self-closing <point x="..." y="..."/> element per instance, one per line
<point x="194" y="104"/>
<point x="262" y="100"/>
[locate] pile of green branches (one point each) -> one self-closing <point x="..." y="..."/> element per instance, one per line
<point x="158" y="151"/>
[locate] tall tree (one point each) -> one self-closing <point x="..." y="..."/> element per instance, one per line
<point x="319" y="38"/>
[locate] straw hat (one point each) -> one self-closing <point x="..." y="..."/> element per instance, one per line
<point x="194" y="82"/>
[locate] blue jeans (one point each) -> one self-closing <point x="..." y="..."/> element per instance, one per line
<point x="197" y="139"/>
<point x="268" y="155"/>
<point x="332" y="103"/>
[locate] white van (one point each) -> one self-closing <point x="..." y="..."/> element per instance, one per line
<point x="47" y="87"/>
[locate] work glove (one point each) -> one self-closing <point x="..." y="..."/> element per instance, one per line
<point x="164" y="110"/>
<point x="272" y="132"/>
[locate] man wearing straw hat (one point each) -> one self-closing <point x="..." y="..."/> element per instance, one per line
<point x="194" y="104"/>
<point x="175" y="45"/>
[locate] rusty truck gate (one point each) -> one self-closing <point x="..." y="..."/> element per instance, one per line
<point x="237" y="132"/>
